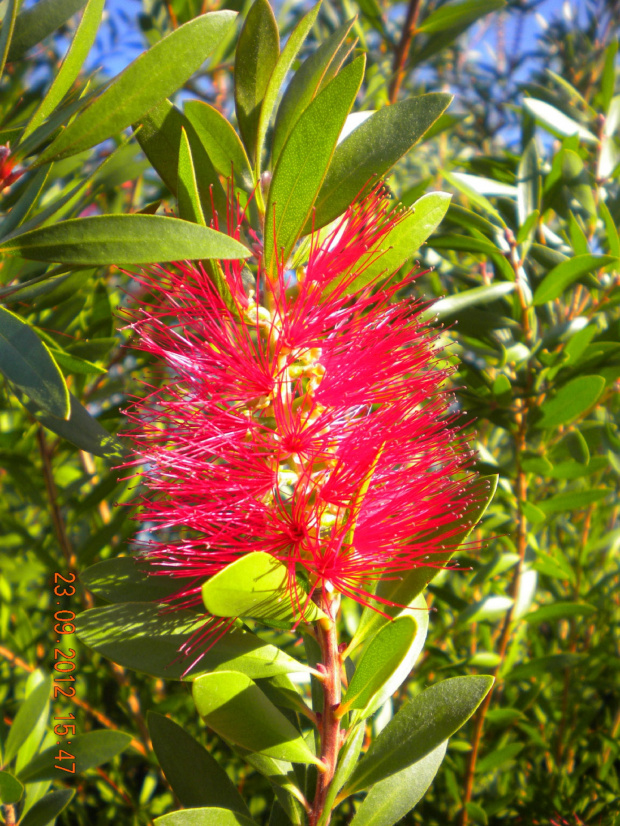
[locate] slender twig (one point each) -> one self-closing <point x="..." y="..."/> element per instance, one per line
<point x="52" y="496"/>
<point x="402" y="50"/>
<point x="327" y="636"/>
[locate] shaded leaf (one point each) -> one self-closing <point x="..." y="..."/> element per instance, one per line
<point x="558" y="611"/>
<point x="187" y="188"/>
<point x="47" y="808"/>
<point x="89" y="750"/>
<point x="572" y="500"/>
<point x="127" y="579"/>
<point x="35" y="23"/>
<point x="205" y="817"/>
<point x="220" y="141"/>
<point x="147" y="638"/>
<point x="11" y="790"/>
<point x="28" y="363"/>
<point x="32" y="709"/>
<point x="458" y="14"/>
<point x="195" y="776"/>
<point x="159" y="137"/>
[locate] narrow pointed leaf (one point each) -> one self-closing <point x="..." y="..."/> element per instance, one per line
<point x="278" y="76"/>
<point x="391" y="799"/>
<point x="187" y="188"/>
<point x="27" y="362"/>
<point x="90" y="750"/>
<point x="47" y="808"/>
<point x="205" y="817"/>
<point x="314" y="74"/>
<point x="35" y="23"/>
<point x="372" y="149"/>
<point x="404" y="239"/>
<point x="563" y="275"/>
<point x="451" y="15"/>
<point x="196" y="778"/>
<point x="528" y="183"/>
<point x="71" y="65"/>
<point x="220" y="141"/>
<point x="258" y="49"/>
<point x="380" y="659"/>
<point x="11" y="790"/>
<point x="144" y="637"/>
<point x="34" y="706"/>
<point x="151" y="78"/>
<point x="452" y="305"/>
<point x="557" y="122"/>
<point x="257" y="586"/>
<point x="123" y="239"/>
<point x="571" y="400"/>
<point x="418" y="728"/>
<point x="304" y="161"/>
<point x="159" y="137"/>
<point x="6" y="33"/>
<point x="81" y="429"/>
<point x="235" y="708"/>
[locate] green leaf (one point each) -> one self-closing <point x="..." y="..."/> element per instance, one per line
<point x="278" y="76"/>
<point x="11" y="790"/>
<point x="151" y="78"/>
<point x="491" y="608"/>
<point x="90" y="750"/>
<point x="148" y="639"/>
<point x="372" y="149"/>
<point x="458" y="14"/>
<point x="127" y="579"/>
<point x="566" y="273"/>
<point x="257" y="585"/>
<point x="235" y="708"/>
<point x="498" y="757"/>
<point x="454" y="304"/>
<point x="81" y="429"/>
<point x="571" y="401"/>
<point x="403" y="240"/>
<point x="258" y="49"/>
<point x="37" y="22"/>
<point x="542" y="667"/>
<point x="557" y="122"/>
<point x="558" y="611"/>
<point x="573" y="500"/>
<point x="187" y="188"/>
<point x="314" y="74"/>
<point x="159" y="137"/>
<point x="391" y="799"/>
<point x="28" y="199"/>
<point x="613" y="239"/>
<point x="71" y="65"/>
<point x="196" y="778"/>
<point x="304" y="160"/>
<point x="32" y="709"/>
<point x="404" y="590"/>
<point x="528" y="183"/>
<point x="47" y="808"/>
<point x="220" y="141"/>
<point x="419" y="728"/>
<point x="381" y="659"/>
<point x="205" y="817"/>
<point x="123" y="239"/>
<point x="6" y="33"/>
<point x="27" y="362"/>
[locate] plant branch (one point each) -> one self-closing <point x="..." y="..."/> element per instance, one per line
<point x="402" y="50"/>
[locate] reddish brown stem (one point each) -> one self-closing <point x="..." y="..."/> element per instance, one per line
<point x="402" y="50"/>
<point x="327" y="637"/>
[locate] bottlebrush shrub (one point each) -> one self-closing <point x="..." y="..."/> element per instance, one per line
<point x="297" y="454"/>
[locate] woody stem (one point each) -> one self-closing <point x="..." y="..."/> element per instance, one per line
<point x="327" y="637"/>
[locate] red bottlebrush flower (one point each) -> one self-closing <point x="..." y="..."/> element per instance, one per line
<point x="313" y="425"/>
<point x="10" y="171"/>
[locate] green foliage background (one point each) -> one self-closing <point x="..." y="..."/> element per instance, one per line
<point x="526" y="267"/>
